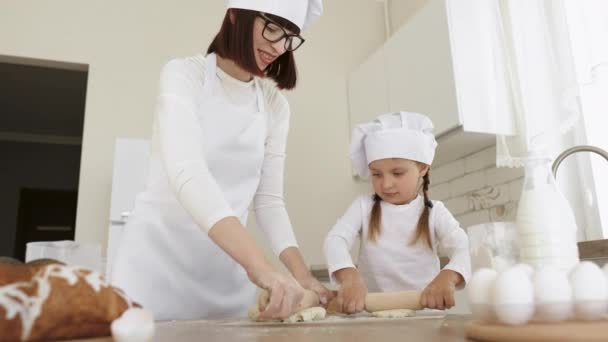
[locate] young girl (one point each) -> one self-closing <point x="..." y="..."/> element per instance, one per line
<point x="400" y="229"/>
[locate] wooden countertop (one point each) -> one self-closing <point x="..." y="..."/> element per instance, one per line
<point x="446" y="329"/>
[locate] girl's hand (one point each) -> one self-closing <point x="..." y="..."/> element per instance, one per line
<point x="352" y="292"/>
<point x="439" y="294"/>
<point x="311" y="283"/>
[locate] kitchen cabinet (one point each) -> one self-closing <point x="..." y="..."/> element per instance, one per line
<point x="420" y="74"/>
<point x="442" y="62"/>
<point x="368" y="89"/>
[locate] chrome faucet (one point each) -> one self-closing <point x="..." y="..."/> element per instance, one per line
<point x="571" y="150"/>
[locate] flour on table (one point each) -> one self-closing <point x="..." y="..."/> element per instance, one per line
<point x="306" y="315"/>
<point x="396" y="313"/>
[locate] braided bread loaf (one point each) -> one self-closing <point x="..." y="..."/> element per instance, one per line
<point x="47" y="300"/>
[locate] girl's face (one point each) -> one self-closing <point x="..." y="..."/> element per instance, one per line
<point x="397" y="180"/>
<point x="266" y="52"/>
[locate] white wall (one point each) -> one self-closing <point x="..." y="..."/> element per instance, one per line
<point x="126" y="42"/>
<point x="401" y="11"/>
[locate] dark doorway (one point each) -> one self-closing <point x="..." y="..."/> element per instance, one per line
<point x="42" y="107"/>
<point x="44" y="215"/>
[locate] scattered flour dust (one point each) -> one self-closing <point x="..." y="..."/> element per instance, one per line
<point x="344" y="319"/>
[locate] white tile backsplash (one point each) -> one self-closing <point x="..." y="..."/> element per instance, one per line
<point x="440" y="192"/>
<point x="504" y="174"/>
<point x="459" y="205"/>
<point x="515" y="188"/>
<point x="448" y="172"/>
<point x="504" y="196"/>
<point x="467" y="183"/>
<point x="504" y="212"/>
<point x="480" y="160"/>
<point x="475" y="191"/>
<point x="489" y="196"/>
<point x="473" y="218"/>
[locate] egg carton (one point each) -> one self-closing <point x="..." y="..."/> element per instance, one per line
<point x="521" y="294"/>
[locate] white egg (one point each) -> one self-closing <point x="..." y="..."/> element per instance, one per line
<point x="135" y="325"/>
<point x="481" y="258"/>
<point x="552" y="295"/>
<point x="529" y="270"/>
<point x="500" y="263"/>
<point x="513" y="296"/>
<point x="589" y="291"/>
<point x="479" y="290"/>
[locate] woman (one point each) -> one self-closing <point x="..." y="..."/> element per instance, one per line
<point x="219" y="145"/>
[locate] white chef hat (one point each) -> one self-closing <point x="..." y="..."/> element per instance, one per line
<point x="395" y="135"/>
<point x="300" y="12"/>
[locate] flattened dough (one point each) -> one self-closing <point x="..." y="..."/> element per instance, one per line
<point x="311" y="314"/>
<point x="396" y="313"/>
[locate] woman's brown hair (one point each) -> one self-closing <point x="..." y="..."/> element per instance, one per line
<point x="423" y="231"/>
<point x="235" y="42"/>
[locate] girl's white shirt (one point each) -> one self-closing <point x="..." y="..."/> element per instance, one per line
<point x="392" y="263"/>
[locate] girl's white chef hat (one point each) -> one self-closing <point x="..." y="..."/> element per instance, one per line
<point x="300" y="12"/>
<point x="395" y="135"/>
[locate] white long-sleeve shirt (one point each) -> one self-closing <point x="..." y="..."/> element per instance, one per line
<point x="179" y="142"/>
<point x="391" y="263"/>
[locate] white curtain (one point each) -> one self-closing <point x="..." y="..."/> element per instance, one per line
<point x="539" y="82"/>
<point x="542" y="77"/>
<point x="554" y="49"/>
<point x="588" y="24"/>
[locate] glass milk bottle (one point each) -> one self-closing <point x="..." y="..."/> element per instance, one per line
<point x="546" y="227"/>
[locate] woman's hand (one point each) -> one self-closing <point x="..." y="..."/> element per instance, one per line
<point x="439" y="294"/>
<point x="293" y="260"/>
<point x="284" y="291"/>
<point x="311" y="283"/>
<point x="352" y="292"/>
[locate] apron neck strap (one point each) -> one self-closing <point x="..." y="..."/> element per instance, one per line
<point x="210" y="79"/>
<point x="259" y="94"/>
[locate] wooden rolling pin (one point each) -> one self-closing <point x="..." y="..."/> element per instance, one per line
<point x="378" y="301"/>
<point x="381" y="301"/>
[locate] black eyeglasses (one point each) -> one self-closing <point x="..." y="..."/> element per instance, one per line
<point x="273" y="33"/>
